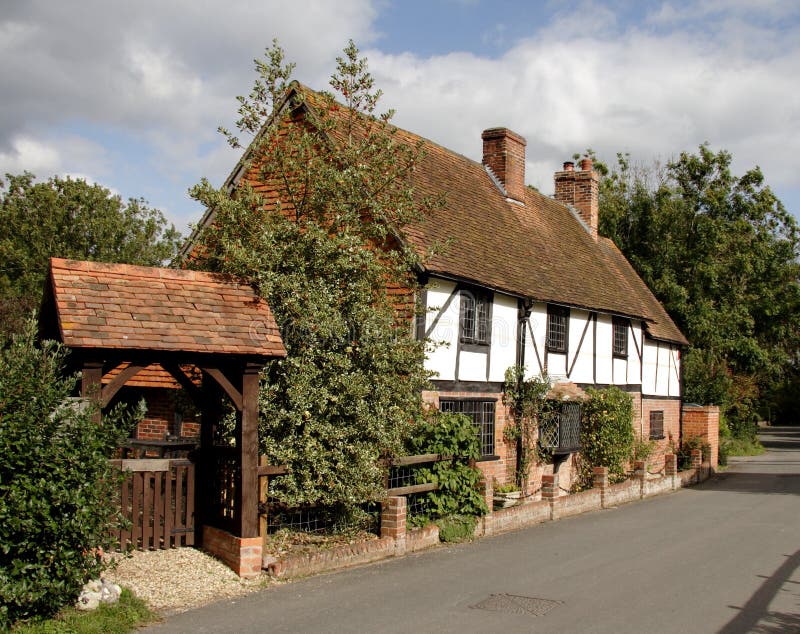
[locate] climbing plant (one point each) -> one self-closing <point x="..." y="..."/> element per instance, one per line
<point x="529" y="407"/>
<point x="607" y="438"/>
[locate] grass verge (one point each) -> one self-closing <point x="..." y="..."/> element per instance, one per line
<point x="120" y="618"/>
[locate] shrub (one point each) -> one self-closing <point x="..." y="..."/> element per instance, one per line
<point x="457" y="528"/>
<point x="458" y="493"/>
<point x="685" y="452"/>
<point x="607" y="438"/>
<point x="56" y="483"/>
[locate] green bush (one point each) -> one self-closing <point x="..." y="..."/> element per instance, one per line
<point x="685" y="452"/>
<point x="57" y="487"/>
<point x="607" y="438"/>
<point x="458" y="493"/>
<point x="457" y="528"/>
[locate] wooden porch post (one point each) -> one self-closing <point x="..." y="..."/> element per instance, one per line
<point x="247" y="444"/>
<point x="92" y="384"/>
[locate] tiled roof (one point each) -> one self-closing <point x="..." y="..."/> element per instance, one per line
<point x="119" y="306"/>
<point x="539" y="250"/>
<point x="153" y="376"/>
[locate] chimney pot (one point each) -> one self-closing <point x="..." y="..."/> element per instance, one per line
<point x="581" y="190"/>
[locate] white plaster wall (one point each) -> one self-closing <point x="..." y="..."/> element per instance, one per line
<point x="472" y="366"/>
<point x="635" y="335"/>
<point x="538" y="326"/>
<point x="675" y="373"/>
<point x="605" y="375"/>
<point x="504" y="336"/>
<point x="442" y="358"/>
<point x="581" y="360"/>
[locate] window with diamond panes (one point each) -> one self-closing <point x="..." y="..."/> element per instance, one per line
<point x="620" y="337"/>
<point x="557" y="323"/>
<point x="474" y="317"/>
<point x="656" y="425"/>
<point x="482" y="415"/>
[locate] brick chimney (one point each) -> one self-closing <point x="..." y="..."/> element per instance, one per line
<point x="580" y="189"/>
<point x="504" y="154"/>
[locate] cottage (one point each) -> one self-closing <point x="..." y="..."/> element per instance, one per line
<point x="527" y="280"/>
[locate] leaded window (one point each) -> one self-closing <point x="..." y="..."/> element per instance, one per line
<point x="620" y="337"/>
<point x="557" y="328"/>
<point x="475" y="318"/>
<point x="656" y="425"/>
<point x="482" y="415"/>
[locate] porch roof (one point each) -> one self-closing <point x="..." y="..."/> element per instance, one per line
<point x="126" y="308"/>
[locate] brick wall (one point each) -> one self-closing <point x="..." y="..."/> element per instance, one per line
<point x="242" y="554"/>
<point x="703" y="421"/>
<point x="672" y="422"/>
<point x="159" y="419"/>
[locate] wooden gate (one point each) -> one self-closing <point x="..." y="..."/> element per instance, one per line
<point x="158" y="499"/>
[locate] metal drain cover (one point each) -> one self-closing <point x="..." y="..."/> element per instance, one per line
<point x="513" y="604"/>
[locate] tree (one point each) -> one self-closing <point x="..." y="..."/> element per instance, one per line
<point x="317" y="227"/>
<point x="720" y="252"/>
<point x="57" y="485"/>
<point x="69" y="218"/>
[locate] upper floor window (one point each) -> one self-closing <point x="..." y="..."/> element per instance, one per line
<point x="656" y="425"/>
<point x="620" y="337"/>
<point x="557" y="328"/>
<point x="475" y="317"/>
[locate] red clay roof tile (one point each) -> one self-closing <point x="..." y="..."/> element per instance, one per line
<point x="132" y="307"/>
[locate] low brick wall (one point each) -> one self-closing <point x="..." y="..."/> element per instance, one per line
<point x="333" y="559"/>
<point x="657" y="486"/>
<point x="622" y="493"/>
<point x="421" y="538"/>
<point x="514" y="517"/>
<point x="241" y="554"/>
<point x="577" y="503"/>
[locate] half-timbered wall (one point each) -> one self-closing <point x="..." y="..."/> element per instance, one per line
<point x="651" y="366"/>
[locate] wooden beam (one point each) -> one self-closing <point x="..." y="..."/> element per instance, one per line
<point x="247" y="445"/>
<point x="265" y="469"/>
<point x="92" y="384"/>
<point x="419" y="459"/>
<point x="415" y="488"/>
<point x="110" y="390"/>
<point x="225" y="384"/>
<point x="185" y="382"/>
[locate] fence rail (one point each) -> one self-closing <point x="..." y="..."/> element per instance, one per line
<point x="157" y="498"/>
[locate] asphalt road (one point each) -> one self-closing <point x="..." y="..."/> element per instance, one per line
<point x="722" y="557"/>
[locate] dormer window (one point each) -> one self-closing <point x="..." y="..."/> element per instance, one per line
<point x="620" y="344"/>
<point x="475" y="316"/>
<point x="557" y="329"/>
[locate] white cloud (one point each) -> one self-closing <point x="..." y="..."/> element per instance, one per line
<point x="612" y="89"/>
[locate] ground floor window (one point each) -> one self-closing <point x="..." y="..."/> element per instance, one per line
<point x="656" y="425"/>
<point x="482" y="415"/>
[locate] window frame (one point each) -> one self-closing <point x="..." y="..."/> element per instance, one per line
<point x="478" y="409"/>
<point x="657" y="415"/>
<point x="619" y="323"/>
<point x="556" y="313"/>
<point x="478" y="319"/>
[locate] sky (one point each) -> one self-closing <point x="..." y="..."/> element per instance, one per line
<point x="130" y="94"/>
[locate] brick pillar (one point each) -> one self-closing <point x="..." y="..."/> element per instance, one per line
<point x="393" y="521"/>
<point x="640" y="474"/>
<point x="703" y="421"/>
<point x="601" y="483"/>
<point x="487" y="487"/>
<point x="242" y="554"/>
<point x="550" y="491"/>
<point x="671" y="468"/>
<point x="697" y="458"/>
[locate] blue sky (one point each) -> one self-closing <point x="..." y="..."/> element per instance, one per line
<point x="130" y="94"/>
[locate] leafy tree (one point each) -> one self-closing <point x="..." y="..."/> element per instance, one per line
<point x="73" y="219"/>
<point x="317" y="228"/>
<point x="56" y="483"/>
<point x="720" y="252"/>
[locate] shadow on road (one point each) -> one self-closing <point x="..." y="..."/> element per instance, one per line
<point x="755" y="616"/>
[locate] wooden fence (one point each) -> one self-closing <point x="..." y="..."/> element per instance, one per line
<point x="158" y="500"/>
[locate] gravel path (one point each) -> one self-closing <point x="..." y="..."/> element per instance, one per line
<point x="180" y="579"/>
